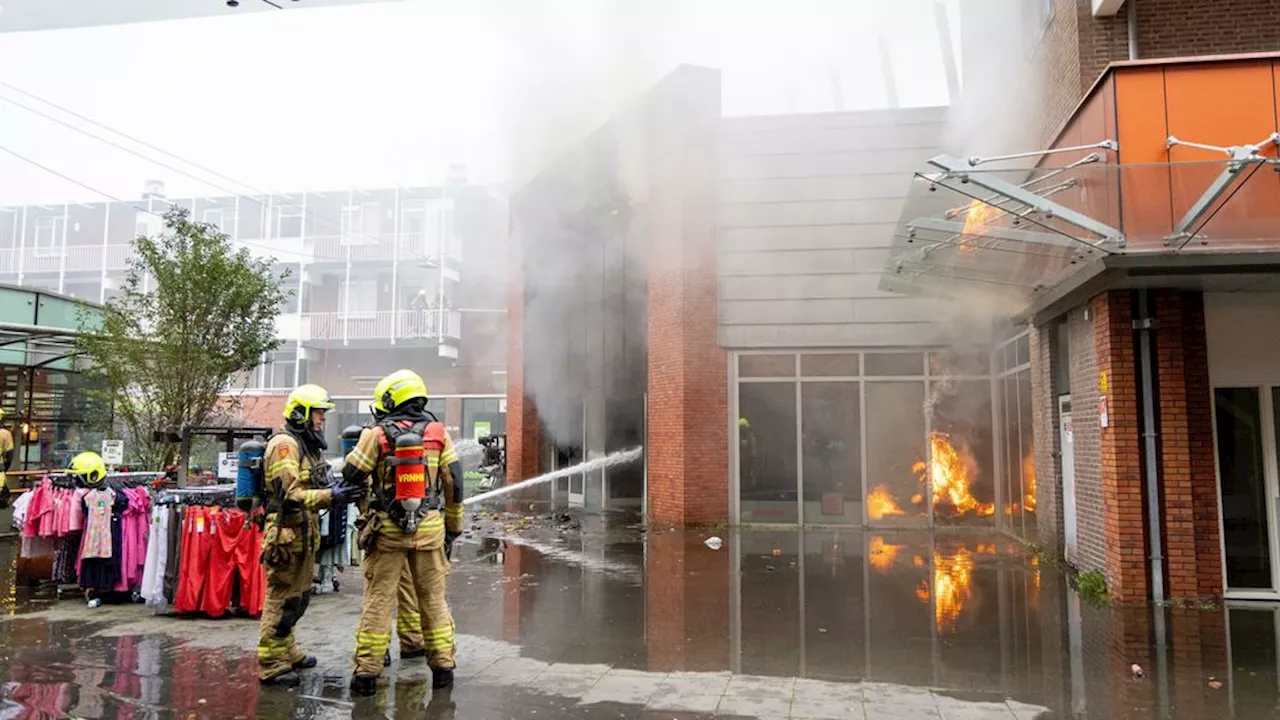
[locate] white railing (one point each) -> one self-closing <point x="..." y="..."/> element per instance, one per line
<point x="381" y="325"/>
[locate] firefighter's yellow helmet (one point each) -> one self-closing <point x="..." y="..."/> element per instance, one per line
<point x="397" y="389"/>
<point x="304" y="399"/>
<point x="88" y="467"/>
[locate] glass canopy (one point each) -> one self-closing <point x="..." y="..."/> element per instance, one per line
<point x="1001" y="237"/>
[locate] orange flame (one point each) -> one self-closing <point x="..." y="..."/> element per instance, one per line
<point x="953" y="583"/>
<point x="880" y="503"/>
<point x="881" y="554"/>
<point x="949" y="472"/>
<point x="976" y="219"/>
<point x="1029" y="481"/>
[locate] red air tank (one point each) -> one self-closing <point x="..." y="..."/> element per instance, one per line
<point x="411" y="469"/>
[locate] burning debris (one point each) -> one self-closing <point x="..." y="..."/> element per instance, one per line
<point x="950" y="472"/>
<point x="880" y="504"/>
<point x="881" y="554"/>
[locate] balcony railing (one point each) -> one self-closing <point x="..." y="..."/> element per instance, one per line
<point x="74" y="258"/>
<point x="407" y="247"/>
<point x="385" y="325"/>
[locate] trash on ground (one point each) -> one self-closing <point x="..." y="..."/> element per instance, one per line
<point x="714" y="543"/>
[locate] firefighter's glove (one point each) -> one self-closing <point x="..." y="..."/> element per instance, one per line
<point x="345" y="492"/>
<point x="449" y="537"/>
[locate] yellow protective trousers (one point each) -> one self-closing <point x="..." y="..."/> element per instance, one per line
<point x="422" y="555"/>
<point x="408" y="617"/>
<point x="288" y="593"/>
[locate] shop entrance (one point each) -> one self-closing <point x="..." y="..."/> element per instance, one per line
<point x="1245" y="419"/>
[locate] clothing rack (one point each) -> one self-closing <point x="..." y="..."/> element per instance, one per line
<point x="203" y="495"/>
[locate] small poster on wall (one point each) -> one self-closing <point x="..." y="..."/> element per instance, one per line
<point x="1102" y="411"/>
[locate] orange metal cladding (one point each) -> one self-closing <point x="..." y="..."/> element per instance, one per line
<point x="1213" y="102"/>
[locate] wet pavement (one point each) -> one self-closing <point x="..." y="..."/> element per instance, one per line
<point x="618" y="623"/>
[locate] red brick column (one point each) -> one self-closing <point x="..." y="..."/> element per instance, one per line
<point x="688" y="437"/>
<point x="522" y="414"/>
<point x="1189" y="501"/>
<point x="1122" y="487"/>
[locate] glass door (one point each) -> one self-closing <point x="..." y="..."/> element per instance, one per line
<point x="1244" y="420"/>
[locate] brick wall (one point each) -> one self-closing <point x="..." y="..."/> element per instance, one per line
<point x="1188" y="480"/>
<point x="1077" y="47"/>
<point x="522" y="414"/>
<point x="688" y="439"/>
<point x="263" y="410"/>
<point x="1122" y="485"/>
<point x="1048" y="445"/>
<point x="1090" y="529"/>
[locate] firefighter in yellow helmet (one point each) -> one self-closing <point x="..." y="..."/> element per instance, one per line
<point x="295" y="481"/>
<point x="414" y="472"/>
<point x="6" y="461"/>
<point x="408" y="619"/>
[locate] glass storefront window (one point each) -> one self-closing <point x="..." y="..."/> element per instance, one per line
<point x="895" y="447"/>
<point x="829" y="365"/>
<point x="1243" y="481"/>
<point x="831" y="444"/>
<point x="893" y="364"/>
<point x="762" y="366"/>
<point x="767" y="452"/>
<point x="962" y="444"/>
<point x="1026" y="467"/>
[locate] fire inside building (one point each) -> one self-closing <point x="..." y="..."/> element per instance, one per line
<point x="1058" y="325"/>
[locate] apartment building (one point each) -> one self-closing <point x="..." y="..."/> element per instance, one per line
<point x="379" y="278"/>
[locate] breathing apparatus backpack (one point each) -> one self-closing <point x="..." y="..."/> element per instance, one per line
<point x="249" y="474"/>
<point x="417" y="490"/>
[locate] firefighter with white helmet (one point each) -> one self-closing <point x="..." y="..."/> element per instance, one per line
<point x="413" y="516"/>
<point x="296" y="474"/>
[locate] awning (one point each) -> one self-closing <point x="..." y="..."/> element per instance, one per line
<point x="1001" y="238"/>
<point x="38" y="329"/>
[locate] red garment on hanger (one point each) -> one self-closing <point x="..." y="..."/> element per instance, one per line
<point x="229" y="531"/>
<point x="248" y="558"/>
<point x="197" y="542"/>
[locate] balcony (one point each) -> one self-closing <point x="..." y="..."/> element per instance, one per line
<point x="74" y="259"/>
<point x="386" y="247"/>
<point x="386" y="326"/>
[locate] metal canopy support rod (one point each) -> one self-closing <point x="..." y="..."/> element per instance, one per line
<point x="1111" y="145"/>
<point x="1241" y="156"/>
<point x="997" y="233"/>
<point x="957" y="167"/>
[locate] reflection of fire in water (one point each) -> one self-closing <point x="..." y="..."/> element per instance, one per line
<point x="880" y="503"/>
<point x="953" y="581"/>
<point x="881" y="554"/>
<point x="949" y="472"/>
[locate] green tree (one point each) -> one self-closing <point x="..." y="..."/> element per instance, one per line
<point x="193" y="312"/>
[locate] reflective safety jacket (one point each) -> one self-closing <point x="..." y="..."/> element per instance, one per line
<point x="371" y="455"/>
<point x="287" y="482"/>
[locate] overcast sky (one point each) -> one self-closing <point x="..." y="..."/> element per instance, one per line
<point x="375" y="94"/>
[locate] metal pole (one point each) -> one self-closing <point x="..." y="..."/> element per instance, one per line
<point x="1144" y="324"/>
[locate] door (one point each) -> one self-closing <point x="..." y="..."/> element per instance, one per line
<point x="1245" y="439"/>
<point x="1066" y="437"/>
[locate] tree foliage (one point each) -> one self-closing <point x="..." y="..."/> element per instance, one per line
<point x="193" y="312"/>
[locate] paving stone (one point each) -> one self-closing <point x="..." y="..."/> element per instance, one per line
<point x="754" y="707"/>
<point x="889" y="694"/>
<point x="827" y="691"/>
<point x="900" y="712"/>
<point x="825" y="709"/>
<point x="977" y="711"/>
<point x="757" y="686"/>
<point x="513" y="670"/>
<point x="629" y="689"/>
<point x="561" y="685"/>
<point x="695" y="684"/>
<point x="683" y="702"/>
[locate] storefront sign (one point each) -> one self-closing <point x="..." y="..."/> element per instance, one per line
<point x="227" y="466"/>
<point x="1102" y="411"/>
<point x="482" y="429"/>
<point x="113" y="452"/>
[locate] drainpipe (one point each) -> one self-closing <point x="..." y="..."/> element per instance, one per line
<point x="1133" y="28"/>
<point x="1144" y="323"/>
